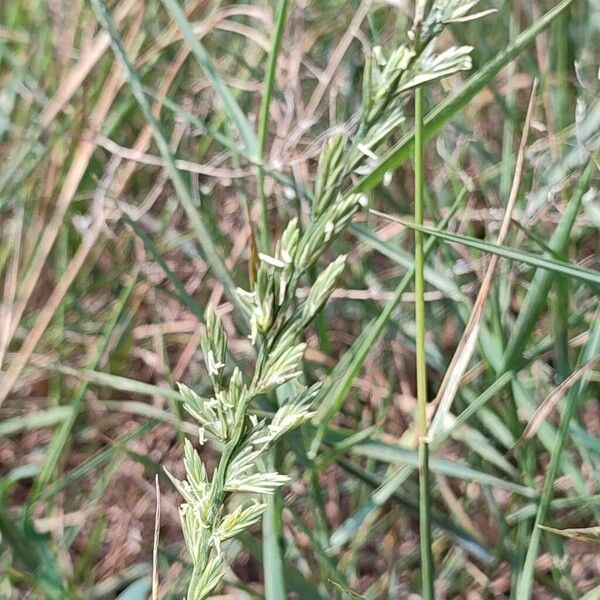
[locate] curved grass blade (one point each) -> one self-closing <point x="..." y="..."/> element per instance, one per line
<point x="37" y="420"/>
<point x="543" y="262"/>
<point x="227" y="99"/>
<point x="118" y="382"/>
<point x="60" y="439"/>
<point x="464" y="538"/>
<point x="151" y="248"/>
<point x="466" y="347"/>
<point x="204" y="237"/>
<point x="346" y="591"/>
<point x="95" y="461"/>
<point x="389" y="486"/>
<point x="525" y="582"/>
<point x="32" y="551"/>
<point x="334" y="392"/>
<point x="580" y="503"/>
<point x="393" y="252"/>
<point x="537" y="293"/>
<point x="396" y="455"/>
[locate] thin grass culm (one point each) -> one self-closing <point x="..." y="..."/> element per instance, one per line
<point x="427" y="573"/>
<point x="181" y="182"/>
<point x="219" y="507"/>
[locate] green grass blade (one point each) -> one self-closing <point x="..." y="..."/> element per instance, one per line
<point x="544" y="262"/>
<point x="32" y="551"/>
<point x="263" y="121"/>
<point x="205" y="240"/>
<point x="537" y="294"/>
<point x="96" y="461"/>
<point x="295" y="580"/>
<point x="392" y="483"/>
<point x="37" y="420"/>
<point x="335" y="390"/>
<point x="525" y="582"/>
<point x="209" y="130"/>
<point x="464" y="538"/>
<point x="229" y="103"/>
<point x="432" y="277"/>
<point x="138" y="590"/>
<point x="151" y="248"/>
<point x="60" y="439"/>
<point x="346" y="590"/>
<point x="592" y="594"/>
<point x="396" y="455"/>
<point x="581" y="503"/>
<point x="118" y="382"/>
<point x="446" y="110"/>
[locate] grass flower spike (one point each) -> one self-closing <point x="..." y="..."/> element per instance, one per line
<point x="277" y="325"/>
<point x="329" y="269"/>
<point x="277" y="322"/>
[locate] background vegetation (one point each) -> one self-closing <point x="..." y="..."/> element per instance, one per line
<point x="130" y="200"/>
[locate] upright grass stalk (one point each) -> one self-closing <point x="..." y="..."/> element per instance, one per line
<point x="272" y="522"/>
<point x="427" y="574"/>
<point x="263" y="123"/>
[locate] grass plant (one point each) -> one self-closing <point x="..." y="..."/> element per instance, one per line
<point x="286" y="308"/>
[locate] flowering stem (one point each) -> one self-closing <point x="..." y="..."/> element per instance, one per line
<point x="424" y="500"/>
<point x="263" y="126"/>
<point x="272" y="532"/>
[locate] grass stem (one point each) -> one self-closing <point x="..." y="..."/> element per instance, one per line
<point x="272" y="521"/>
<point x="263" y="123"/>
<point x="424" y="500"/>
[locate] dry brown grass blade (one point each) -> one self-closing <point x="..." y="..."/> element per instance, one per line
<point x="583" y="534"/>
<point x="90" y="237"/>
<point x="551" y="400"/>
<point x="188" y="352"/>
<point x="144" y="139"/>
<point x="466" y="346"/>
<point x="10" y="285"/>
<point x="171" y="35"/>
<point x="457" y="508"/>
<point x="77" y="169"/>
<point x="82" y="69"/>
<point x="336" y="57"/>
<point x="137" y="156"/>
<point x="543" y="54"/>
<point x="50" y="308"/>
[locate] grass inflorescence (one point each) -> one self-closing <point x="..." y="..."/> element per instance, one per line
<point x="299" y="299"/>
